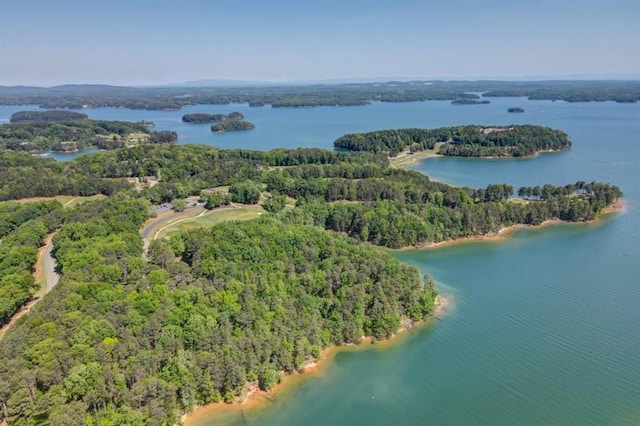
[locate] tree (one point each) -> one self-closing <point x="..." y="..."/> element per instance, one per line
<point x="275" y="203"/>
<point x="247" y="192"/>
<point x="179" y="205"/>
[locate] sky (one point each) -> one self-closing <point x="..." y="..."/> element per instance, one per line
<point x="145" y="42"/>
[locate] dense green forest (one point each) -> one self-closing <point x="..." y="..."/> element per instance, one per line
<point x="211" y="118"/>
<point x="232" y="126"/>
<point x="46" y="116"/>
<point x="122" y="341"/>
<point x="94" y="96"/>
<point x="460" y="141"/>
<point x="47" y="135"/>
<point x="22" y="231"/>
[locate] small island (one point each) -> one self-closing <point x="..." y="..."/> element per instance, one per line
<point x="232" y="126"/>
<point x="200" y="118"/>
<point x="46" y="116"/>
<point x="469" y="102"/>
<point x="515" y="109"/>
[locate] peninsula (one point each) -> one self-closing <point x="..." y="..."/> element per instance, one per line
<point x="33" y="131"/>
<point x="151" y="335"/>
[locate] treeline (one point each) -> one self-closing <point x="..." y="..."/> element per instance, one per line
<point x="232" y="125"/>
<point x="121" y="341"/>
<point x="19" y="253"/>
<point x="77" y="135"/>
<point x="46" y="116"/>
<point x="24" y="175"/>
<point x="464" y="141"/>
<point x="445" y="215"/>
<point x="184" y="169"/>
<point x="174" y="98"/>
<point x="210" y="118"/>
<point x="469" y="102"/>
<point x="594" y="91"/>
<point x="12" y="215"/>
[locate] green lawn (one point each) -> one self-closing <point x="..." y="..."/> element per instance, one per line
<point x="213" y="217"/>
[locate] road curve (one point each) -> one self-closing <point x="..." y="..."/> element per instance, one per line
<point x="161" y="221"/>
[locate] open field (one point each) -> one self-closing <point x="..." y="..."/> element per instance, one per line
<point x="210" y="218"/>
<point x="67" y="201"/>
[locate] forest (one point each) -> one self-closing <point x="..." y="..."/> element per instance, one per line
<point x="124" y="339"/>
<point x="211" y="118"/>
<point x="232" y="126"/>
<point x="45" y="134"/>
<point x="46" y="116"/>
<point x="351" y="94"/>
<point x="460" y="141"/>
<point x="22" y="230"/>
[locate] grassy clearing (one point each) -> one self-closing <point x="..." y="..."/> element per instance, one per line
<point x="67" y="201"/>
<point x="407" y="159"/>
<point x="210" y="218"/>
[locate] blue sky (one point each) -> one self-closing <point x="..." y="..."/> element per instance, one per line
<point x="49" y="42"/>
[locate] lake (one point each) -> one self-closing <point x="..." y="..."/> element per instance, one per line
<point x="545" y="325"/>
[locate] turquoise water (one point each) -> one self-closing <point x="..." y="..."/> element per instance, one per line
<point x="545" y="326"/>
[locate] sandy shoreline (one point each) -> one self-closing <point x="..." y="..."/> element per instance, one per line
<point x="253" y="398"/>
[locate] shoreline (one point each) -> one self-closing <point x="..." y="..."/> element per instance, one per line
<point x="407" y="159"/>
<point x="252" y="398"/>
<point x="503" y="233"/>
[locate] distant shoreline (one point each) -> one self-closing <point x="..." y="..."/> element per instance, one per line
<point x="254" y="398"/>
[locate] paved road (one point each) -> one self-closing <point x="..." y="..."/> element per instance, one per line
<point x="49" y="265"/>
<point x="162" y="221"/>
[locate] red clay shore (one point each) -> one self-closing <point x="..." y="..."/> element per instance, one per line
<point x="253" y="398"/>
<point x="619" y="206"/>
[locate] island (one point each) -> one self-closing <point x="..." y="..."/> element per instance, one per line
<point x="211" y="118"/>
<point x="46" y="116"/>
<point x="45" y="134"/>
<point x="232" y="126"/>
<point x="515" y="109"/>
<point x="469" y="102"/>
<point x="460" y="141"/>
